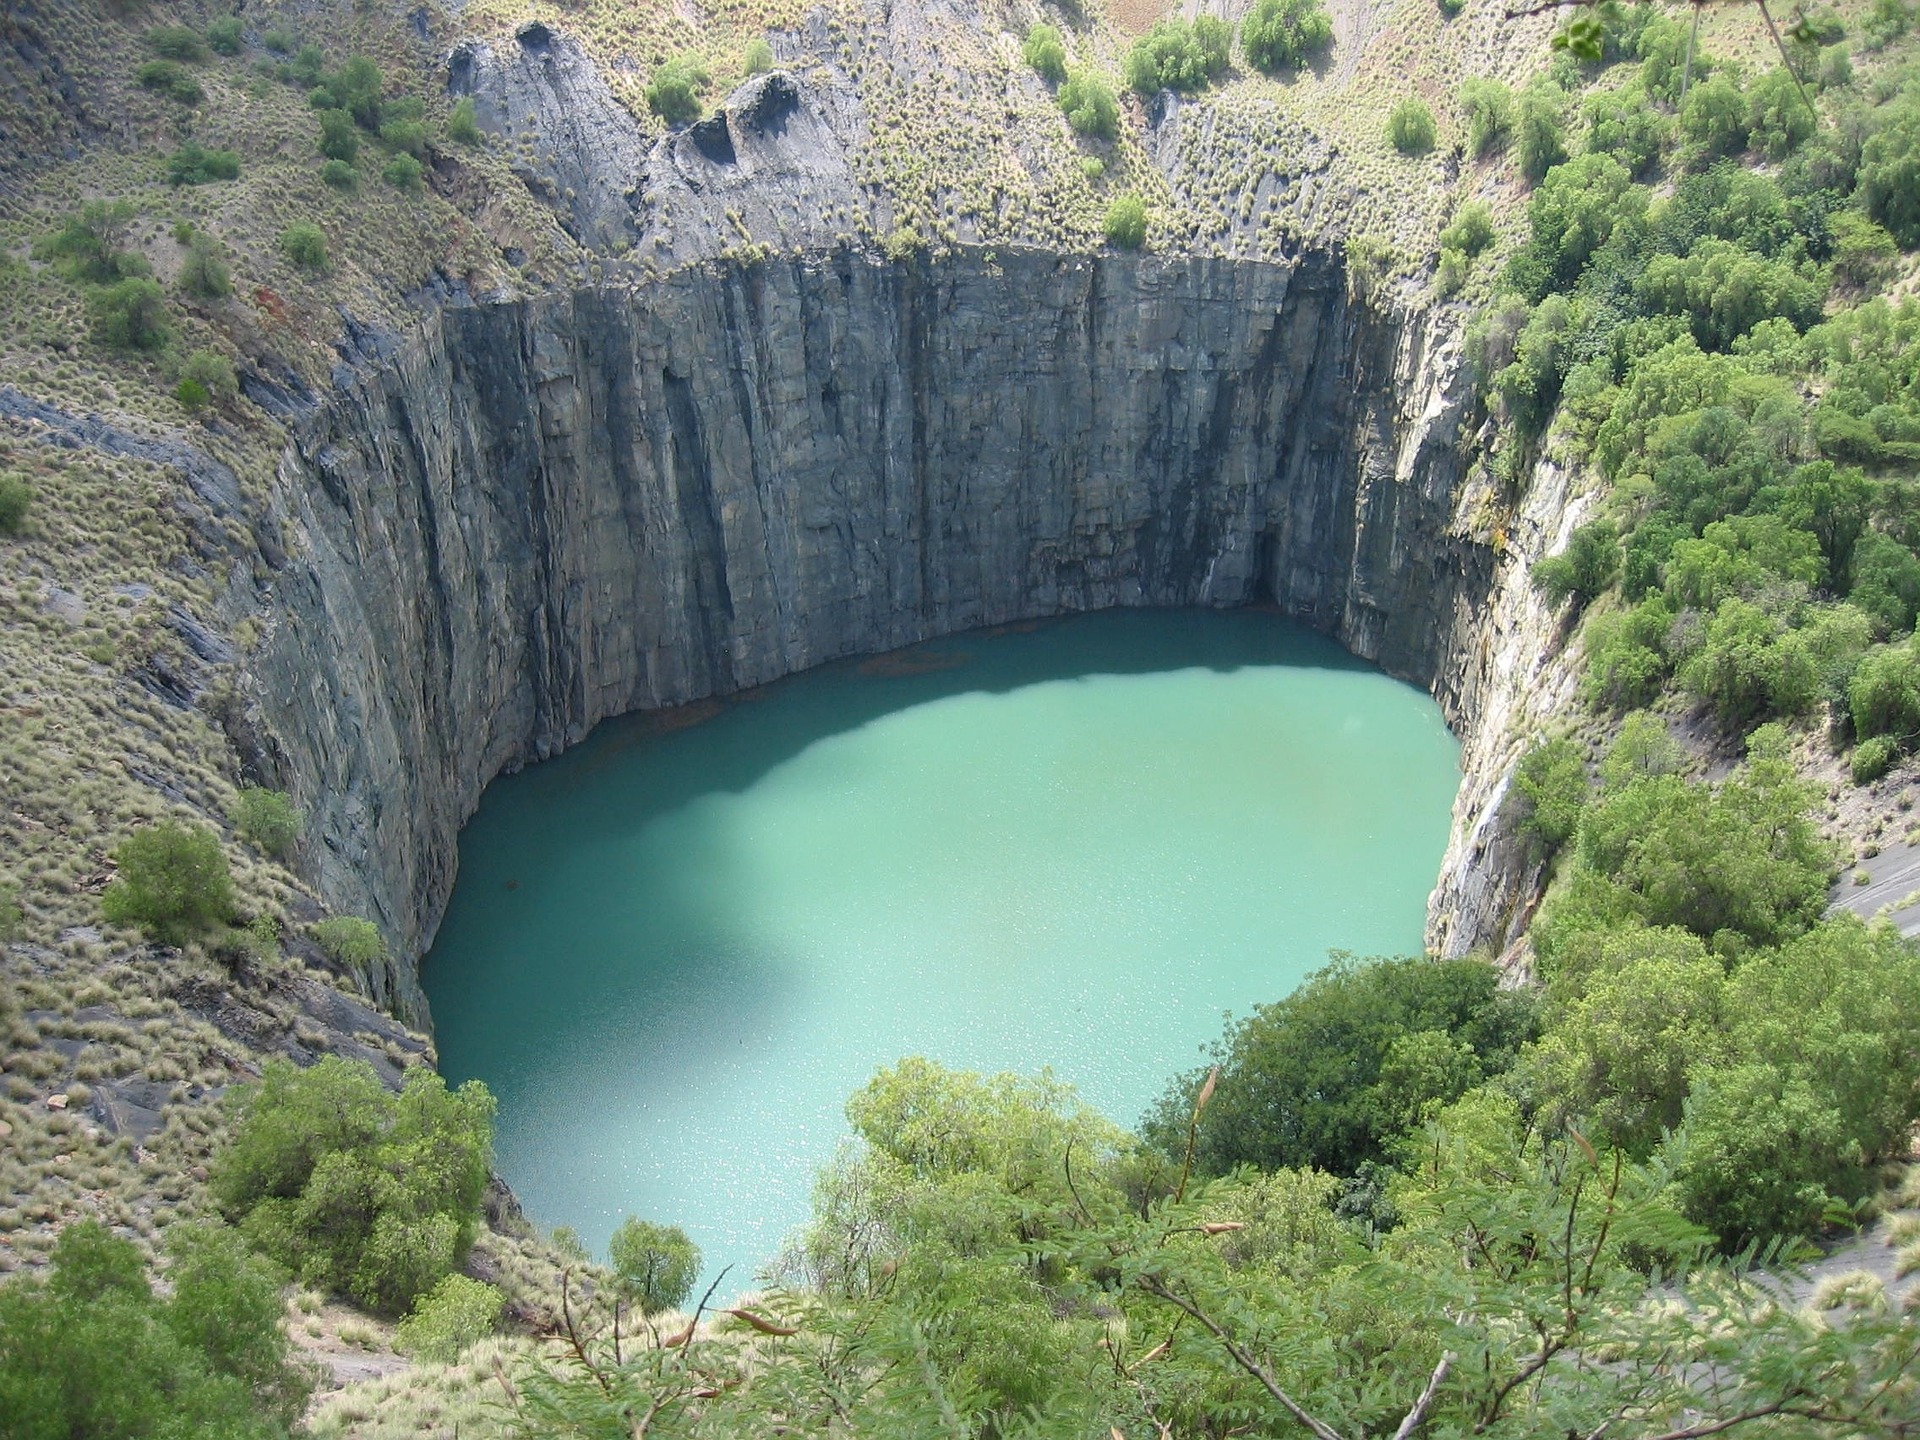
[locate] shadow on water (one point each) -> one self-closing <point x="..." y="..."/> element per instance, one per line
<point x="852" y="693"/>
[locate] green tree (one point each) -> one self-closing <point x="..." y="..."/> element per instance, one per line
<point x="1297" y="1078"/>
<point x="1622" y="1058"/>
<point x="1743" y="857"/>
<point x="1552" y="781"/>
<point x="1471" y="229"/>
<point x="1410" y="128"/>
<point x="173" y="883"/>
<point x="193" y="164"/>
<point x="16" y="498"/>
<point x="1890" y="174"/>
<point x="674" y="92"/>
<point x="267" y="818"/>
<point x="1045" y="52"/>
<point x="168" y="78"/>
<point x="351" y="941"/>
<point x="92" y="1351"/>
<point x="1174" y="55"/>
<point x="463" y="128"/>
<point x="655" y="1265"/>
<point x="403" y="173"/>
<point x="1585" y="570"/>
<point x="1126" y="223"/>
<point x="339" y="136"/>
<point x="1539" y="137"/>
<point x="1090" y="105"/>
<point x="225" y="35"/>
<point x="1885" y="694"/>
<point x="354" y="1189"/>
<point x="305" y="244"/>
<point x="1627" y="654"/>
<point x="131" y="314"/>
<point x="455" y="1314"/>
<point x="177" y="42"/>
<point x="203" y="273"/>
<point x="1487" y="108"/>
<point x="758" y="57"/>
<point x="1279" y="34"/>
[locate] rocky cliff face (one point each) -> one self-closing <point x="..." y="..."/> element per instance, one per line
<point x="541" y="514"/>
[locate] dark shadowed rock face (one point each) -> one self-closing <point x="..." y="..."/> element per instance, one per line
<point x="542" y="514"/>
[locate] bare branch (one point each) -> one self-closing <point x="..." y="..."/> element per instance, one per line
<point x="1417" y="1416"/>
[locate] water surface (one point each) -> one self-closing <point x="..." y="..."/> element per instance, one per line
<point x="674" y="951"/>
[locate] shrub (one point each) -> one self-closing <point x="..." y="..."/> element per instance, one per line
<point x="279" y="41"/>
<point x="1890" y="174"/>
<point x="92" y="1351"/>
<point x="131" y="314"/>
<point x="1872" y="758"/>
<point x="1471" y="230"/>
<point x="757" y="58"/>
<point x="11" y="920"/>
<point x="407" y="136"/>
<point x="1862" y="251"/>
<point x="1778" y="120"/>
<point x="1298" y="1078"/>
<point x="339" y="136"/>
<point x="170" y="79"/>
<point x="203" y="274"/>
<point x="1552" y="779"/>
<point x="16" y="498"/>
<point x="355" y="1189"/>
<point x="1585" y="569"/>
<point x="305" y="245"/>
<point x="1174" y="55"/>
<point x="340" y="175"/>
<point x="351" y="941"/>
<point x="456" y="1313"/>
<point x="1410" y="127"/>
<point x="1045" y="52"/>
<point x="173" y="883"/>
<point x="191" y="394"/>
<point x="403" y="173"/>
<point x="177" y="42"/>
<point x="674" y="92"/>
<point x="1090" y="105"/>
<point x="1126" y="223"/>
<point x="87" y="246"/>
<point x="1742" y="857"/>
<point x="656" y="1264"/>
<point x="1487" y="107"/>
<point x="1539" y="141"/>
<point x="266" y="818"/>
<point x="1715" y="118"/>
<point x="1884" y="695"/>
<point x="1281" y="33"/>
<point x="464" y="129"/>
<point x="225" y="35"/>
<point x="1886" y="581"/>
<point x="191" y="164"/>
<point x="356" y="87"/>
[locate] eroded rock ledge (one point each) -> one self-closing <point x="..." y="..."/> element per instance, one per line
<point x="541" y="514"/>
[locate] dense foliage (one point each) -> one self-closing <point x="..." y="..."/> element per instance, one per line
<point x="1176" y="55"/>
<point x="94" y="1352"/>
<point x="353" y="1188"/>
<point x="1277" y="34"/>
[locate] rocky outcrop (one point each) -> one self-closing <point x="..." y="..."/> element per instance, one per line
<point x="771" y="166"/>
<point x="541" y="514"/>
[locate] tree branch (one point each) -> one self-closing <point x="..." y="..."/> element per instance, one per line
<point x="1320" y="1429"/>
<point x="1417" y="1416"/>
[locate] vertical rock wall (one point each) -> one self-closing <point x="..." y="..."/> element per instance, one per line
<point x="542" y="514"/>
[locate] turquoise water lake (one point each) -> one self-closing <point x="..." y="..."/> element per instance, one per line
<point x="674" y="951"/>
